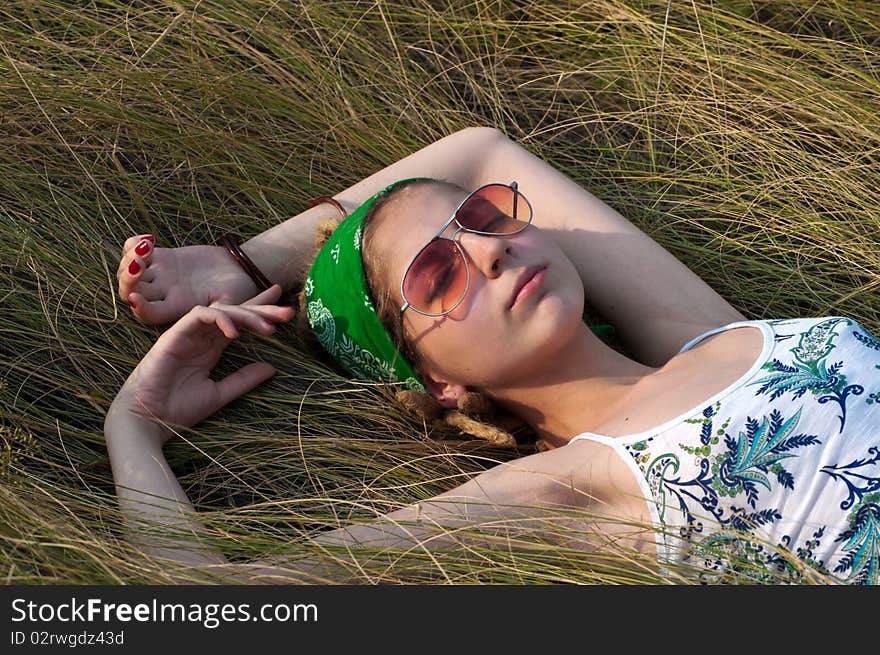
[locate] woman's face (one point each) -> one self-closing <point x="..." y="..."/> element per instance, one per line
<point x="484" y="342"/>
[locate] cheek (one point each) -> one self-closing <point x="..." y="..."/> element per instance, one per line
<point x="458" y="350"/>
<point x="568" y="285"/>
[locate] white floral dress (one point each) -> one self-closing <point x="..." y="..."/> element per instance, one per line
<point x="784" y="461"/>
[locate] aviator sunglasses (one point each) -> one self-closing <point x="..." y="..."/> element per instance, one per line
<point x="437" y="279"/>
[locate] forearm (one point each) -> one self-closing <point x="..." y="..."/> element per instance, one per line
<point x="542" y="498"/>
<point x="156" y="510"/>
<point x="545" y="499"/>
<point x="284" y="252"/>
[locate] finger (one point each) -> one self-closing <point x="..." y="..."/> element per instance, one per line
<point x="257" y="317"/>
<point x="273" y="313"/>
<point x="153" y="312"/>
<point x="142" y="250"/>
<point x="226" y="324"/>
<point x="210" y="316"/>
<point x="243" y="380"/>
<point x="130" y="274"/>
<point x="132" y="242"/>
<point x="267" y="297"/>
<point x="250" y="319"/>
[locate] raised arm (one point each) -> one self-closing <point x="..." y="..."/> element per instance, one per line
<point x="655" y="302"/>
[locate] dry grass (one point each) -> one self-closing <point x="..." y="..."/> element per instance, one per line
<point x="743" y="136"/>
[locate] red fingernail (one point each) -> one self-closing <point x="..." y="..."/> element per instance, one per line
<point x="134" y="268"/>
<point x="131" y="304"/>
<point x="150" y="238"/>
<point x="143" y="248"/>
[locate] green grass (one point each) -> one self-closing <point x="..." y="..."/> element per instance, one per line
<point x="743" y="136"/>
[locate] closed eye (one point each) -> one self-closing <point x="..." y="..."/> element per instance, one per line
<point x="496" y="220"/>
<point x="441" y="284"/>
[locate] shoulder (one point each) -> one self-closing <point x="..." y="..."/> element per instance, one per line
<point x="583" y="470"/>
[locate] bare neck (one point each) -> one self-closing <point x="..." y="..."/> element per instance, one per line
<point x="575" y="390"/>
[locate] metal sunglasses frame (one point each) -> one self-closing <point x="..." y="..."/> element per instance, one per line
<point x="517" y="194"/>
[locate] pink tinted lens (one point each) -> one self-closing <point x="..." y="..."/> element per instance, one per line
<point x="496" y="209"/>
<point x="437" y="278"/>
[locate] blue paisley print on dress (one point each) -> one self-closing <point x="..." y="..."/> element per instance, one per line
<point x="777" y="477"/>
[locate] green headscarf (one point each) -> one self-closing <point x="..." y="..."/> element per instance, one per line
<point x="342" y="313"/>
<point x="341" y="310"/>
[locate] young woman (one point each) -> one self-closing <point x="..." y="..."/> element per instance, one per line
<point x="711" y="437"/>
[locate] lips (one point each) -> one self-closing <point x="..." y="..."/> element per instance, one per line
<point x="522" y="280"/>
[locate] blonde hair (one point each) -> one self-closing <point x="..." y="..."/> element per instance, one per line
<point x="475" y="414"/>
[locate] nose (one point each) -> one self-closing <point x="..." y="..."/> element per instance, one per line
<point x="486" y="253"/>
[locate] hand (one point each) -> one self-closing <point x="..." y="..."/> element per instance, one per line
<point x="162" y="284"/>
<point x="172" y="384"/>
